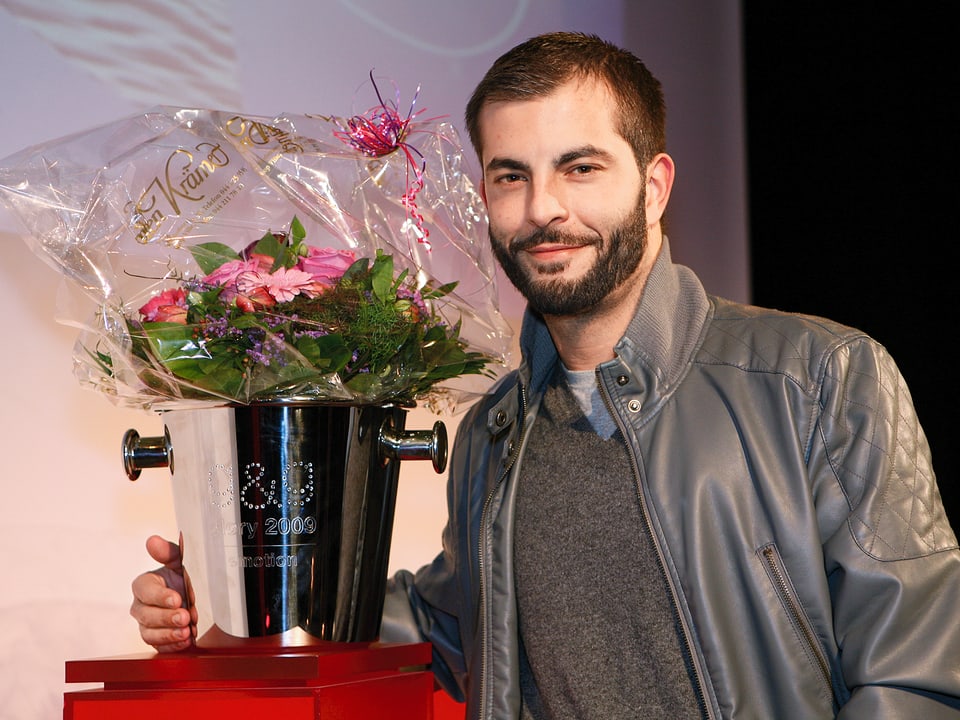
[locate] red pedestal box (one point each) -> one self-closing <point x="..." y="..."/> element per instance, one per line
<point x="336" y="682"/>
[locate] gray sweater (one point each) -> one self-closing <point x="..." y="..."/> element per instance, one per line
<point x="598" y="631"/>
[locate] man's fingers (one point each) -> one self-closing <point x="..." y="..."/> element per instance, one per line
<point x="163" y="623"/>
<point x="163" y="551"/>
<point x="167" y="639"/>
<point x="158" y="600"/>
<point x="154" y="589"/>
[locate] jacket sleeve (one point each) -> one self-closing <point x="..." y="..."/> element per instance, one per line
<point x="890" y="553"/>
<point x="409" y="617"/>
<point x="434" y="604"/>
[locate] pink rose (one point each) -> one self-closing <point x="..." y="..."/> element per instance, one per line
<point x="326" y="265"/>
<point x="168" y="306"/>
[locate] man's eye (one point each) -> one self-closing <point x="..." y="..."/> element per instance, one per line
<point x="582" y="169"/>
<point x="509" y="178"/>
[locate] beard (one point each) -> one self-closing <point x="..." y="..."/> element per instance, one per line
<point x="617" y="259"/>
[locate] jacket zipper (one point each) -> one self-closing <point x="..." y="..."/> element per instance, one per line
<point x="661" y="561"/>
<point x="772" y="560"/>
<point x="484" y="644"/>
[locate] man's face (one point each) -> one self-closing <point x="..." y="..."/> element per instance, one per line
<point x="565" y="197"/>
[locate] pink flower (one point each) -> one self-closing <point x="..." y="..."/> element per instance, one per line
<point x="168" y="306"/>
<point x="283" y="285"/>
<point x="226" y="275"/>
<point x="257" y="299"/>
<point x="326" y="265"/>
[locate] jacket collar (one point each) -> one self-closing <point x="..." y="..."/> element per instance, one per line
<point x="659" y="341"/>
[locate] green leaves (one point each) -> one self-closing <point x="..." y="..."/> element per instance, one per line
<point x="381" y="278"/>
<point x="327" y="353"/>
<point x="211" y="255"/>
<point x="178" y="349"/>
<point x="285" y="249"/>
<point x="297" y="231"/>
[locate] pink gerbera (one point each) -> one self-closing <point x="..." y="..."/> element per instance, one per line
<point x="226" y="275"/>
<point x="283" y="284"/>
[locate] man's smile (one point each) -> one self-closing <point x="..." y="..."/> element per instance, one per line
<point x="553" y="252"/>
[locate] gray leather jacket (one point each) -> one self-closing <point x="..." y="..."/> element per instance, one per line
<point x="787" y="485"/>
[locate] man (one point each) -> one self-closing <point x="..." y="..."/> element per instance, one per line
<point x="678" y="506"/>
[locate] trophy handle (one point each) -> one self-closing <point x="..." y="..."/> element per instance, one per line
<point x="140" y="453"/>
<point x="415" y="444"/>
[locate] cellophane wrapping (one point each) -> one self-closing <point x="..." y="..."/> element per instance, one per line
<point x="138" y="214"/>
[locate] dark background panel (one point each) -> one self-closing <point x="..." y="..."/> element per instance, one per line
<point x="852" y="142"/>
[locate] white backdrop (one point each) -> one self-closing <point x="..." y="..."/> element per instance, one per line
<point x="73" y="526"/>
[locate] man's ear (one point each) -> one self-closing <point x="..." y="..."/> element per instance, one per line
<point x="660" y="174"/>
<point x="483" y="191"/>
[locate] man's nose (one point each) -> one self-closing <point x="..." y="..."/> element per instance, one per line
<point x="546" y="204"/>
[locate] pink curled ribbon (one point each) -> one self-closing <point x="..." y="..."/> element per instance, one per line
<point x="382" y="131"/>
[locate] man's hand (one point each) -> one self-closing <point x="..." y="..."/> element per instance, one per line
<point x="166" y="621"/>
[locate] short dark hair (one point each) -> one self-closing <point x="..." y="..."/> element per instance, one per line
<point x="540" y="65"/>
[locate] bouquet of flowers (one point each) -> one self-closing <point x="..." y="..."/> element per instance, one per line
<point x="288" y="318"/>
<point x="218" y="258"/>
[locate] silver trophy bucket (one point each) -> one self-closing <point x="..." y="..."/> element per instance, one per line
<point x="286" y="514"/>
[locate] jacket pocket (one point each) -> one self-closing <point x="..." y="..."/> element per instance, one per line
<point x="777" y="572"/>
